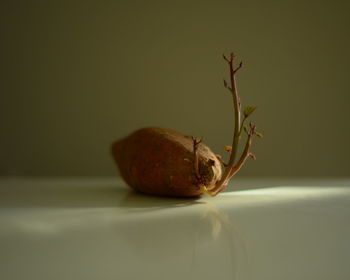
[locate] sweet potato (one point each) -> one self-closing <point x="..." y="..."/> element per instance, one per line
<point x="165" y="162"/>
<point x="161" y="162"/>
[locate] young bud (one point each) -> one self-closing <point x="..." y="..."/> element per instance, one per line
<point x="252" y="156"/>
<point x="228" y="148"/>
<point x="248" y="111"/>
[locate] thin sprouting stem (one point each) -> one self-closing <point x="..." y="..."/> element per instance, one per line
<point x="196" y="142"/>
<point x="244" y="156"/>
<point x="237" y="113"/>
<point x="232" y="168"/>
<point x="235" y="168"/>
<point x="241" y="127"/>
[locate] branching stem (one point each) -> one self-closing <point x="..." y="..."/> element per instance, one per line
<point x="231" y="168"/>
<point x="196" y="142"/>
<point x="236" y="167"/>
<point x="237" y="109"/>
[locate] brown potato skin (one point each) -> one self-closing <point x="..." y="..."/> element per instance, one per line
<point x="160" y="162"/>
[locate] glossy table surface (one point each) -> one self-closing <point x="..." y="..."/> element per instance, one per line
<point x="90" y="228"/>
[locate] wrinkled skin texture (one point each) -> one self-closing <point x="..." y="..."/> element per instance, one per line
<point x="160" y="162"/>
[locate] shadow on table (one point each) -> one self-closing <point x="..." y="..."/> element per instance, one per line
<point x="86" y="193"/>
<point x="83" y="196"/>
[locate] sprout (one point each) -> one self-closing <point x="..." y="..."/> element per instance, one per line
<point x="233" y="166"/>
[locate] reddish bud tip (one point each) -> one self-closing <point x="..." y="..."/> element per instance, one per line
<point x="252" y="156"/>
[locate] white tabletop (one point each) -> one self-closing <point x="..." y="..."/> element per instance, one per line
<point x="88" y="228"/>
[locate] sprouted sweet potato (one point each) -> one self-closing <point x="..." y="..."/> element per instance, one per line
<point x="165" y="162"/>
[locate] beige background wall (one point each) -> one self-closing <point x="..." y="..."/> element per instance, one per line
<point x="77" y="75"/>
